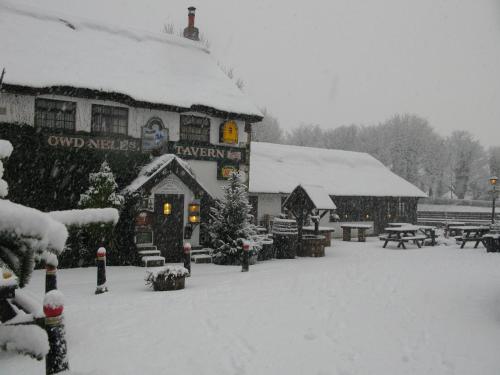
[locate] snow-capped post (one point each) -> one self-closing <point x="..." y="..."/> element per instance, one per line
<point x="187" y="257"/>
<point x="51" y="264"/>
<point x="246" y="255"/>
<point x="101" y="271"/>
<point x="53" y="306"/>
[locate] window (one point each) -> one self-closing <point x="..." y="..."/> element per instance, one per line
<point x="195" y="129"/>
<point x="353" y="209"/>
<point x="228" y="132"/>
<point x="109" y="120"/>
<point x="55" y="114"/>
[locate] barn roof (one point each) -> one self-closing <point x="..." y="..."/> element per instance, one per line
<point x="42" y="50"/>
<point x="278" y="168"/>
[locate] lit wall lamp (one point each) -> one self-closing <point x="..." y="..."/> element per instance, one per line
<point x="167" y="208"/>
<point x="194" y="212"/>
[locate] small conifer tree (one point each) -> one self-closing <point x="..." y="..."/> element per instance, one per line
<point x="231" y="222"/>
<point x="101" y="193"/>
<point x="102" y="190"/>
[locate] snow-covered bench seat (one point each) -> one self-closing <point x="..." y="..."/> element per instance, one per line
<point x="149" y="252"/>
<point x="201" y="255"/>
<point x="153" y="261"/>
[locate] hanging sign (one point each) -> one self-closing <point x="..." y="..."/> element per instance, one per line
<point x="224" y="170"/>
<point x="207" y="152"/>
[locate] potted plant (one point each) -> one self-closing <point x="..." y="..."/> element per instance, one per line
<point x="167" y="278"/>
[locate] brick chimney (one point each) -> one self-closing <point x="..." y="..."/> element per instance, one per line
<point x="191" y="32"/>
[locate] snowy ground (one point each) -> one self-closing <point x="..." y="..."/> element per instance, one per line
<point x="360" y="310"/>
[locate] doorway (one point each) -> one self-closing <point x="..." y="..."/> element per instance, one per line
<point x="168" y="225"/>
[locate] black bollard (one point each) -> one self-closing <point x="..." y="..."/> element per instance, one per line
<point x="245" y="260"/>
<point x="51" y="264"/>
<point x="56" y="360"/>
<point x="187" y="257"/>
<point x="101" y="271"/>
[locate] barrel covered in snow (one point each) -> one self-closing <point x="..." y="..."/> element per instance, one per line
<point x="285" y="238"/>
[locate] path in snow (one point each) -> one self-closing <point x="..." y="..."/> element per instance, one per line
<point x="360" y="310"/>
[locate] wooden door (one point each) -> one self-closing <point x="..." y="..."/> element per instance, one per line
<point x="169" y="228"/>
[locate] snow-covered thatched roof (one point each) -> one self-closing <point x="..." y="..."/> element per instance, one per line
<point x="41" y="50"/>
<point x="280" y="168"/>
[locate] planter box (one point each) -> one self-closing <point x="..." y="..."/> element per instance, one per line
<point x="167" y="278"/>
<point x="172" y="283"/>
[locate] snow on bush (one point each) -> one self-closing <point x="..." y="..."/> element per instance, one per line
<point x="37" y="228"/>
<point x="24" y="339"/>
<point x="86" y="216"/>
<point x="28" y="303"/>
<point x="5" y="149"/>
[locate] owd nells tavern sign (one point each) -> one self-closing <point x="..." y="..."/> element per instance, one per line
<point x="183" y="150"/>
<point x="97" y="143"/>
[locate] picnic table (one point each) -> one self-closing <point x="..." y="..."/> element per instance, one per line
<point x="403" y="234"/>
<point x="471" y="233"/>
<point x="362" y="228"/>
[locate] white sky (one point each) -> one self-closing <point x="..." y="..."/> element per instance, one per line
<point x="340" y="62"/>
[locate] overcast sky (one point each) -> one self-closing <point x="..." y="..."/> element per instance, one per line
<point x="338" y="62"/>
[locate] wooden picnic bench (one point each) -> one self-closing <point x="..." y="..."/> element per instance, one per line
<point x="403" y="234"/>
<point x="417" y="239"/>
<point x="471" y="234"/>
<point x="362" y="228"/>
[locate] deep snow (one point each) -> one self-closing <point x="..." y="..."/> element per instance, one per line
<point x="360" y="310"/>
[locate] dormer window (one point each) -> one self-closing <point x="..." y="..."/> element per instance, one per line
<point x="195" y="129"/>
<point x="228" y="132"/>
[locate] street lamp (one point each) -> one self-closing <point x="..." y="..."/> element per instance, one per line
<point x="493" y="183"/>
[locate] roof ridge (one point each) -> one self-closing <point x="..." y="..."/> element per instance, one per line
<point x="77" y="22"/>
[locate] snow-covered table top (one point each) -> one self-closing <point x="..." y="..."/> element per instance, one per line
<point x="472" y="227"/>
<point x="356" y="226"/>
<point x="407" y="228"/>
<point x="398" y="224"/>
<point x="321" y="229"/>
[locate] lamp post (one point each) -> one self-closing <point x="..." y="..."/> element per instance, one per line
<point x="493" y="183"/>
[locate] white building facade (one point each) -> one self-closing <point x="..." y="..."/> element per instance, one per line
<point x="94" y="87"/>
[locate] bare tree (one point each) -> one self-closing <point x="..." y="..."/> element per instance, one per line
<point x="466" y="155"/>
<point x="306" y="135"/>
<point x="268" y="130"/>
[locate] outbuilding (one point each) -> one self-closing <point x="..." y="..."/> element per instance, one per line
<point x="362" y="188"/>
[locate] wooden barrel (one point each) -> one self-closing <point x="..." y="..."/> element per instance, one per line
<point x="285" y="238"/>
<point x="312" y="246"/>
